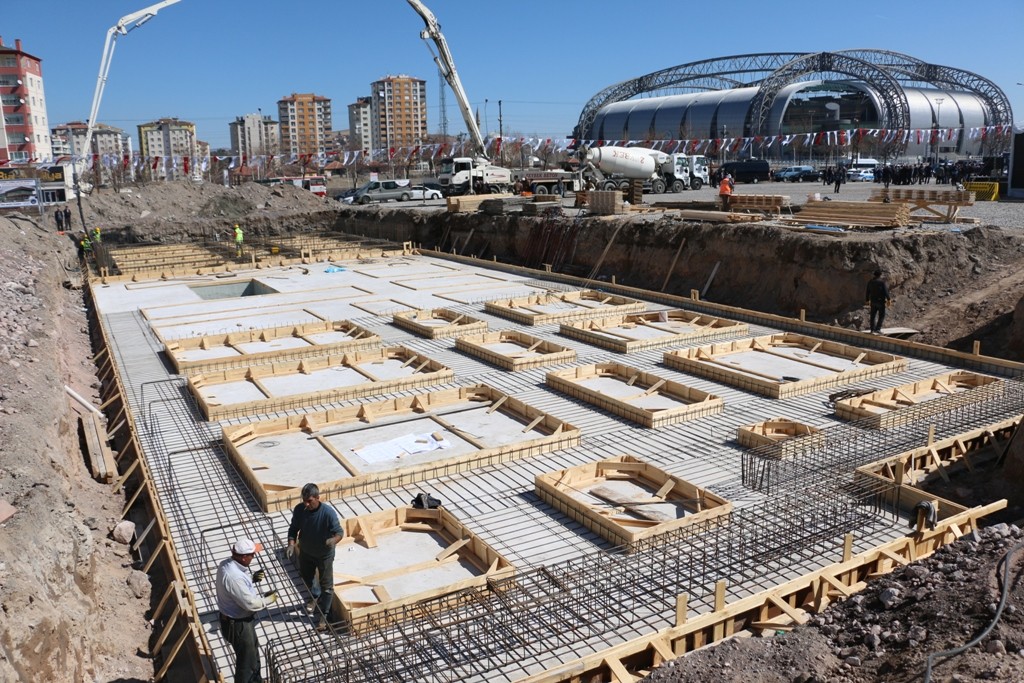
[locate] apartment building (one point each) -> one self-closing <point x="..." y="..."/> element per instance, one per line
<point x="360" y="124"/>
<point x="255" y="135"/>
<point x="305" y="123"/>
<point x="398" y="107"/>
<point x="170" y="140"/>
<point x="25" y="130"/>
<point x="68" y="139"/>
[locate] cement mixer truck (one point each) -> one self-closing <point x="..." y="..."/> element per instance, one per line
<point x="613" y="167"/>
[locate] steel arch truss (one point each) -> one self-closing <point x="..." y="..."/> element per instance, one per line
<point x="895" y="112"/>
<point x="913" y="69"/>
<point x="710" y="74"/>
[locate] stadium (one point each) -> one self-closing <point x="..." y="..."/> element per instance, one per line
<point x="796" y="105"/>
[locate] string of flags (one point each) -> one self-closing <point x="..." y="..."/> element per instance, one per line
<point x="535" y="145"/>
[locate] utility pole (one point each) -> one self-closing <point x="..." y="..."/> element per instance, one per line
<point x="501" y="137"/>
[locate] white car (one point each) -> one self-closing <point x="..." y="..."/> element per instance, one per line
<point x="421" y="192"/>
<point x="862" y="175"/>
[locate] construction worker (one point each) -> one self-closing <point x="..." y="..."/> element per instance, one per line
<point x="84" y="246"/>
<point x="238" y="601"/>
<point x="239" y="237"/>
<point x="314" y="532"/>
<point x="96" y="238"/>
<point x="725" y="191"/>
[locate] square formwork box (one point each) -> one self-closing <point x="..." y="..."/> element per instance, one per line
<point x="286" y="342"/>
<point x="552" y="307"/>
<point x="484" y="426"/>
<point x="881" y="409"/>
<point x="782" y="365"/>
<point x="635" y="395"/>
<point x="639" y="331"/>
<point x="779" y="437"/>
<point x="405" y="556"/>
<point x="626" y="500"/>
<point x="438" y="323"/>
<point x="291" y="385"/>
<point x="514" y="350"/>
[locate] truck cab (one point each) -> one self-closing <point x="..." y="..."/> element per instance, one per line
<point x="463" y="175"/>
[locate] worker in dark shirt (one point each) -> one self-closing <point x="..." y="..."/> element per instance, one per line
<point x="314" y="531"/>
<point x="877" y="296"/>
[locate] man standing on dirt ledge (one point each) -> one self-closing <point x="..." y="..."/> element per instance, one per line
<point x="877" y="296"/>
<point x="314" y="532"/>
<point x="725" y="191"/>
<point x="238" y="601"/>
<point x="239" y="237"/>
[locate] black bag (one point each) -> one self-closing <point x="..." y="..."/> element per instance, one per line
<point x="425" y="501"/>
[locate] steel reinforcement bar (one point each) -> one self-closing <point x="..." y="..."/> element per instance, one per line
<point x="813" y="463"/>
<point x="543" y="609"/>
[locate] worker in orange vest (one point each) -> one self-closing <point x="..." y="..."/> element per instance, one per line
<point x="725" y="191"/>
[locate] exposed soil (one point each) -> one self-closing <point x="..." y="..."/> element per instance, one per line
<point x="75" y="609"/>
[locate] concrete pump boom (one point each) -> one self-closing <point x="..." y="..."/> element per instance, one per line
<point x="446" y="64"/>
<point x="121" y="28"/>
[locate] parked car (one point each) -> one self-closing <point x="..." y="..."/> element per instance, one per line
<point x="423" y="192"/>
<point x="861" y="175"/>
<point x="341" y="196"/>
<point x="798" y="174"/>
<point x="381" y="191"/>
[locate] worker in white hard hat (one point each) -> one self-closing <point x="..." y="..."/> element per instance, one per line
<point x="238" y="601"/>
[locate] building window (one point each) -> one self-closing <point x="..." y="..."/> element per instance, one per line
<point x="8" y="61"/>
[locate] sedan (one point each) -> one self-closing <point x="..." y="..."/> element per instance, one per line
<point x="862" y="175"/>
<point x="421" y="192"/>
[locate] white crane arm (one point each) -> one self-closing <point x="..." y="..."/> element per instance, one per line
<point x="125" y="24"/>
<point x="446" y="64"/>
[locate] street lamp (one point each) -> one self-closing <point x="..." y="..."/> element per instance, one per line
<point x="938" y="124"/>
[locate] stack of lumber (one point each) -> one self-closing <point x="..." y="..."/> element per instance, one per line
<point x="496" y="206"/>
<point x="942" y="204"/>
<point x="470" y="202"/>
<point x="542" y="209"/>
<point x="717" y="216"/>
<point x="854" y="214"/>
<point x="770" y="203"/>
<point x="606" y="202"/>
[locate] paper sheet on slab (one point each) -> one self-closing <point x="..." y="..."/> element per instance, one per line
<point x="409" y="444"/>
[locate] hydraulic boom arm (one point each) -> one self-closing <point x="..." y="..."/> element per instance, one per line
<point x="446" y="64"/>
<point x="121" y="28"/>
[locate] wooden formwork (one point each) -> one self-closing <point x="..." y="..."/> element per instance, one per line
<point x="237" y="349"/>
<point x="635" y="395"/>
<point x="556" y="307"/>
<point x="948" y="202"/>
<point x="274" y="490"/>
<point x="776" y="436"/>
<point x="406" y="549"/>
<point x="625" y="500"/>
<point x="854" y="214"/>
<point x="175" y="264"/>
<point x="438" y="323"/>
<point x="947" y="456"/>
<point x="769" y="203"/>
<point x="514" y="350"/>
<point x="881" y="409"/>
<point x="639" y="331"/>
<point x="417" y="371"/>
<point x="807" y="364"/>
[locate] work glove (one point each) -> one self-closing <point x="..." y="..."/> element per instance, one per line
<point x="258" y="575"/>
<point x="271" y="597"/>
<point x="290" y="551"/>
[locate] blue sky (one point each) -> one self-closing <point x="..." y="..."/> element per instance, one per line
<point x="208" y="61"/>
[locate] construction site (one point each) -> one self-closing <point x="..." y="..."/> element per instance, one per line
<point x="625" y="475"/>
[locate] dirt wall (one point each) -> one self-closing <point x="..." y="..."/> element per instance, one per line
<point x="953" y="286"/>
